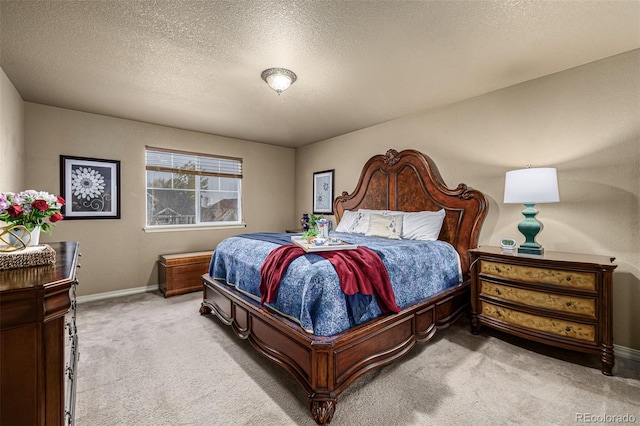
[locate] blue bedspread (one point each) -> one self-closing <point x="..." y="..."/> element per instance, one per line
<point x="310" y="292"/>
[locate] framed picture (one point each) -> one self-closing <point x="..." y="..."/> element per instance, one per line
<point x="91" y="188"/>
<point x="323" y="192"/>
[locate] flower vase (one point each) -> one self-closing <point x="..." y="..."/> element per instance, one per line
<point x="18" y="237"/>
<point x="35" y="236"/>
<point x="323" y="228"/>
<point x="304" y="221"/>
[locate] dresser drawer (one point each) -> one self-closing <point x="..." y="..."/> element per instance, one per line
<point x="562" y="303"/>
<point x="574" y="330"/>
<point x="535" y="275"/>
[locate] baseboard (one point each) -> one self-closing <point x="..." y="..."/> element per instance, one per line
<point x="117" y="293"/>
<point x="627" y="353"/>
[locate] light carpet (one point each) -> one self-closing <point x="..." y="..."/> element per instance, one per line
<point x="147" y="360"/>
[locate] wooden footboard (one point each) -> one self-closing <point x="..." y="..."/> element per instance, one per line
<point x="326" y="366"/>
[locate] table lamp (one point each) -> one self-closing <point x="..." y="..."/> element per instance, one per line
<point x="529" y="187"/>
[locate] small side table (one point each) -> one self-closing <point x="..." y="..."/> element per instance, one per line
<point x="560" y="299"/>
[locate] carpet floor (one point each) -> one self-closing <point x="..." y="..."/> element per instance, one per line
<point x="147" y="360"/>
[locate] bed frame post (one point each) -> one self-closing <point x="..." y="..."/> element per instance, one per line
<point x="322" y="408"/>
<point x="321" y="401"/>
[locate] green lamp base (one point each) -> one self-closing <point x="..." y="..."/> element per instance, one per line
<point x="530" y="227"/>
<point x="531" y="250"/>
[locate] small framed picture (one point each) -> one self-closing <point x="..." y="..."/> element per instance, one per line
<point x="323" y="192"/>
<point x="91" y="187"/>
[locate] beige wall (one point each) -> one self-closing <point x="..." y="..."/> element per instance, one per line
<point x="116" y="253"/>
<point x="12" y="173"/>
<point x="584" y="121"/>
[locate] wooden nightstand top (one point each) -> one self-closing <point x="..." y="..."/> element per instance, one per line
<point x="554" y="256"/>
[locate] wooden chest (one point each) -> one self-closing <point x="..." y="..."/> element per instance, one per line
<point x="561" y="299"/>
<point x="181" y="273"/>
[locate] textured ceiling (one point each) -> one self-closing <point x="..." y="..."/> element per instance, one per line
<point x="196" y="64"/>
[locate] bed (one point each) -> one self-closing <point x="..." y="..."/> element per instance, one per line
<point x="406" y="181"/>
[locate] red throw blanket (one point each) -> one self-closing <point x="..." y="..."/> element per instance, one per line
<point x="360" y="271"/>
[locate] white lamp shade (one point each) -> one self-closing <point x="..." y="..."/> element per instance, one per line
<point x="539" y="185"/>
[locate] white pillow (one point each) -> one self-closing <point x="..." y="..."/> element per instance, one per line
<point x="347" y="221"/>
<point x="384" y="225"/>
<point x="424" y="226"/>
<point x="361" y="225"/>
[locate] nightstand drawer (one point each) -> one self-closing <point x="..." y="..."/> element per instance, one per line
<point x="530" y="274"/>
<point x="555" y="326"/>
<point x="562" y="303"/>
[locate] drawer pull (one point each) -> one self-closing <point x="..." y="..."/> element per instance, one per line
<point x="498" y="292"/>
<point x="567" y="329"/>
<point x="569" y="304"/>
<point x="568" y="278"/>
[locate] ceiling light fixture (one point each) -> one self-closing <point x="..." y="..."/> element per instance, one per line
<point x="279" y="79"/>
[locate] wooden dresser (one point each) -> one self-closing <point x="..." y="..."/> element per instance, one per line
<point x="561" y="299"/>
<point x="38" y="341"/>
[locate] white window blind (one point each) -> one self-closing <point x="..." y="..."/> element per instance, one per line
<point x="187" y="188"/>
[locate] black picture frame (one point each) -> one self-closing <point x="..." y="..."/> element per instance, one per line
<point x="323" y="192"/>
<point x="90" y="187"/>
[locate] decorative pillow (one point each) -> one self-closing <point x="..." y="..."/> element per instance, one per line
<point x="347" y="222"/>
<point x="361" y="225"/>
<point x="424" y="226"/>
<point x="387" y="226"/>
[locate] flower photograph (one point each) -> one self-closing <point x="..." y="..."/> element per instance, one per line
<point x="91" y="187"/>
<point x="87" y="183"/>
<point x="323" y="192"/>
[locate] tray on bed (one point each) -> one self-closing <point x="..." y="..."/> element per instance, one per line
<point x="311" y="248"/>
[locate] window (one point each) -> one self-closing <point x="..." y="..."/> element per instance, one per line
<point x="186" y="188"/>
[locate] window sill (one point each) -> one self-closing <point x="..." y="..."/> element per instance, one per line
<point x="180" y="228"/>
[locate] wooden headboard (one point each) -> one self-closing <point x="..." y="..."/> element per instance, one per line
<point x="410" y="181"/>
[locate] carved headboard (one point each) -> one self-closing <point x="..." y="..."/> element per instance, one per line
<point x="410" y="181"/>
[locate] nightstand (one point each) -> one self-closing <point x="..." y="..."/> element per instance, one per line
<point x="561" y="299"/>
